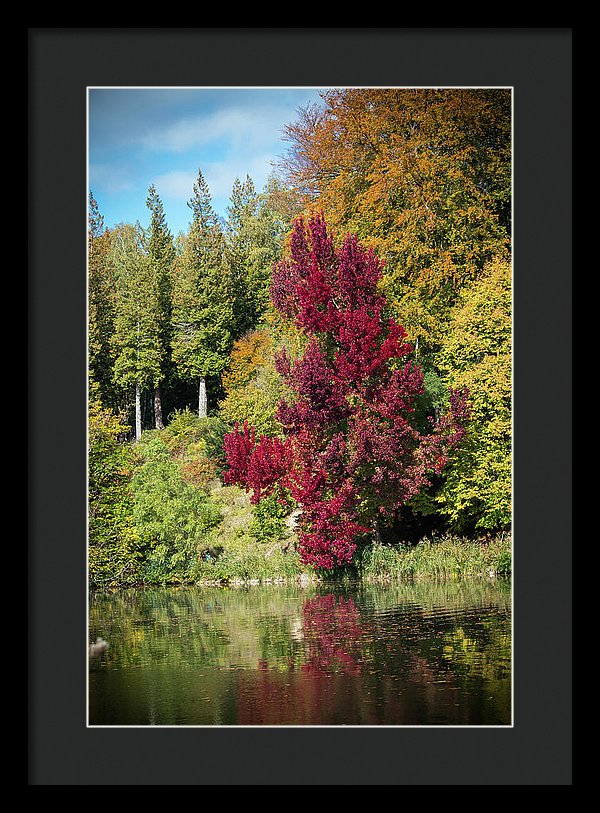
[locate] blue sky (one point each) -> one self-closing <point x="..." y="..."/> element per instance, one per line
<point x="163" y="136"/>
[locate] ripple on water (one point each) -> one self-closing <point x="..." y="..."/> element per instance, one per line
<point x="405" y="655"/>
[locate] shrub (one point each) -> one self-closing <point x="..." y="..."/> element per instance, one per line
<point x="270" y="518"/>
<point x="172" y="516"/>
<point x="113" y="538"/>
<point x="186" y="429"/>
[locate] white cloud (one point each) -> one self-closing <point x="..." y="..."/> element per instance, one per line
<point x="178" y="184"/>
<point x="219" y="176"/>
<point x="111" y="178"/>
<point x="246" y="127"/>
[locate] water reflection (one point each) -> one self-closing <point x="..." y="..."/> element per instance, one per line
<point x="334" y="634"/>
<point x="397" y="655"/>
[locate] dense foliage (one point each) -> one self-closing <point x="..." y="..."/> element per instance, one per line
<point x="478" y="355"/>
<point x="422" y="175"/>
<point x="321" y="375"/>
<point x="113" y="549"/>
<point x="350" y="455"/>
<point x="253" y="387"/>
<point x="172" y="515"/>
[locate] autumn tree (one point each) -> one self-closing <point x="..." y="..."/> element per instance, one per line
<point x="202" y="309"/>
<point x="161" y="253"/>
<point x="477" y="354"/>
<point x="253" y="388"/>
<point x="349" y="456"/>
<point x="424" y="177"/>
<point x="421" y="175"/>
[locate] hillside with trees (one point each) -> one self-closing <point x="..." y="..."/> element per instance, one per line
<point x="325" y="369"/>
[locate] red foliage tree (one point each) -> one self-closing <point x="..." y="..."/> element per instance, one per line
<point x="350" y="455"/>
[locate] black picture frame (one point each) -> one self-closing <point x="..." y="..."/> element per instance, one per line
<point x="537" y="64"/>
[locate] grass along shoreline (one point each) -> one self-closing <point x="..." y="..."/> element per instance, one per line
<point x="169" y="519"/>
<point x="447" y="557"/>
<point x="439" y="558"/>
<point x="248" y="558"/>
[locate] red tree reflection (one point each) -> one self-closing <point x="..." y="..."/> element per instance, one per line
<point x="315" y="683"/>
<point x="333" y="677"/>
<point x="332" y="630"/>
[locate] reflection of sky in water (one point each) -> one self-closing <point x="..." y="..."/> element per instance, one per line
<point x="407" y="655"/>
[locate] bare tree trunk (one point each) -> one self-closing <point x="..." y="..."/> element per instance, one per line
<point x="158" y="418"/>
<point x="138" y="412"/>
<point x="202" y="403"/>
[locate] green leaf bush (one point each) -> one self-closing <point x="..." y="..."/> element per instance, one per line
<point x="172" y="517"/>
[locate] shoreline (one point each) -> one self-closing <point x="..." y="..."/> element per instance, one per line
<point x="449" y="558"/>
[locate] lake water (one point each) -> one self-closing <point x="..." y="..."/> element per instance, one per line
<point x="361" y="655"/>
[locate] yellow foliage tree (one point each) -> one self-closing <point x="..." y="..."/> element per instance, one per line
<point x="422" y="175"/>
<point x="477" y="355"/>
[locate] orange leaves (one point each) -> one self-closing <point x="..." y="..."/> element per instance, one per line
<point x="424" y="173"/>
<point x="249" y="352"/>
<point x="200" y="472"/>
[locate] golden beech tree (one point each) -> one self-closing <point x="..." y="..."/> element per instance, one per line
<point x="421" y="175"/>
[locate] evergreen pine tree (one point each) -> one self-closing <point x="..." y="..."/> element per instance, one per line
<point x="252" y="247"/>
<point x="100" y="308"/>
<point x="137" y="337"/>
<point x="162" y="254"/>
<point x="202" y="302"/>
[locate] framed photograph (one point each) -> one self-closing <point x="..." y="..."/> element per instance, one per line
<point x="291" y="477"/>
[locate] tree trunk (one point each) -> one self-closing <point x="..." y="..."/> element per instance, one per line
<point x="202" y="404"/>
<point x="376" y="530"/>
<point x="158" y="418"/>
<point x="138" y="412"/>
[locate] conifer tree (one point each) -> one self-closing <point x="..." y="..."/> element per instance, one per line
<point x="253" y="246"/>
<point x="202" y="301"/>
<point x="243" y="203"/>
<point x="95" y="221"/>
<point x="162" y="254"/>
<point x="100" y="307"/>
<point x="137" y="338"/>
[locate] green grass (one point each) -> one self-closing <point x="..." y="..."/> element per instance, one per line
<point x="248" y="567"/>
<point x="243" y="557"/>
<point x="447" y="557"/>
<point x="246" y="558"/>
<point x="230" y="553"/>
